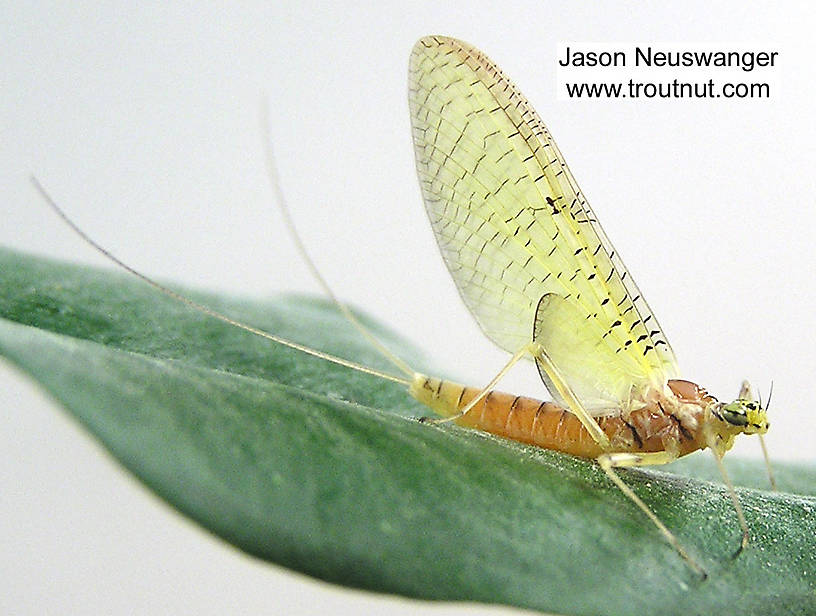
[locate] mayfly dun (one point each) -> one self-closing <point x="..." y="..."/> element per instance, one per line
<point x="543" y="281"/>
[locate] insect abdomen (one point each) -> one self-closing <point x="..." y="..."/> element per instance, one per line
<point x="548" y="425"/>
<point x="523" y="419"/>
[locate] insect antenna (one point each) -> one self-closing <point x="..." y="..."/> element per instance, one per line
<point x="283" y="206"/>
<point x="202" y="308"/>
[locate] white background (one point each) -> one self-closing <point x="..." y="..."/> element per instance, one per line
<point x="143" y="122"/>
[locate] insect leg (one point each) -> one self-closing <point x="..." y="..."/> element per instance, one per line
<point x="486" y="390"/>
<point x="610" y="461"/>
<point x="771" y="477"/>
<point x="575" y="406"/>
<point x="566" y="393"/>
<point x="734" y="499"/>
<point x="745" y="393"/>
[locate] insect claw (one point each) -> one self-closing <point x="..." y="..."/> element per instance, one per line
<point x="743" y="545"/>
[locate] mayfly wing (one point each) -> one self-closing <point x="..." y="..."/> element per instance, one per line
<point x="513" y="227"/>
<point x="599" y="376"/>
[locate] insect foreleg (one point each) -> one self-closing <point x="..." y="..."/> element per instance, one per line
<point x="734" y="499"/>
<point x="767" y="459"/>
<point x="745" y="393"/>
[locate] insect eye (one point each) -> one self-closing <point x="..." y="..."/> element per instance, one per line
<point x="735" y="416"/>
<point x="751" y="406"/>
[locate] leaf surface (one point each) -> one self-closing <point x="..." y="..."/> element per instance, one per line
<point x="325" y="470"/>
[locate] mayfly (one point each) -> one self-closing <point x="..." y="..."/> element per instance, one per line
<point x="543" y="281"/>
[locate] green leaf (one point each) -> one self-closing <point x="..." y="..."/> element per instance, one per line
<point x="325" y="470"/>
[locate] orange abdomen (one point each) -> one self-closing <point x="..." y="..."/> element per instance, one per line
<point x="550" y="426"/>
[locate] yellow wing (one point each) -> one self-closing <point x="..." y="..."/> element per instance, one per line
<point x="513" y="227"/>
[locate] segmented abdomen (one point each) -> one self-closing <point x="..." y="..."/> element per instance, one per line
<point x="550" y="426"/>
